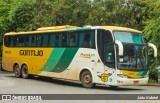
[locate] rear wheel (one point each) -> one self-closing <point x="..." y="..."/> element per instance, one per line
<point x="87" y="80"/>
<point x="25" y="74"/>
<point x="17" y="71"/>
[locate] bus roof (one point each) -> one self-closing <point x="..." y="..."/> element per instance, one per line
<point x="72" y="28"/>
<point x="114" y="28"/>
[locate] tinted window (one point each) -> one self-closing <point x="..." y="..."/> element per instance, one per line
<point x="72" y="38"/>
<point x="7" y="40"/>
<point x="20" y="41"/>
<point x="106" y="47"/>
<point x="87" y="39"/>
<point x="52" y="40"/>
<point x="64" y="40"/>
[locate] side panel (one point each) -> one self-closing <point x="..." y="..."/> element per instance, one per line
<point x="66" y="63"/>
<point x="35" y="58"/>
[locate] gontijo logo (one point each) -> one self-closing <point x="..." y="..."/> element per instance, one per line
<point x="104" y="77"/>
<point x="31" y="52"/>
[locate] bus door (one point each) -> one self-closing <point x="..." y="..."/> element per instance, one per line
<point x="105" y="47"/>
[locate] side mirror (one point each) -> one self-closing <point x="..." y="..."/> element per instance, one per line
<point x="154" y="48"/>
<point x="120" y="47"/>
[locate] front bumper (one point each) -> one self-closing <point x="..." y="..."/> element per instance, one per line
<point x="131" y="81"/>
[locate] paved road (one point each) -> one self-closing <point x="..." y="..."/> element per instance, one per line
<point x="11" y="85"/>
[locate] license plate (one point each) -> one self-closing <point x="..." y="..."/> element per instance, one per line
<point x="136" y="82"/>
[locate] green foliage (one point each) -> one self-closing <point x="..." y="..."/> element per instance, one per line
<point x="151" y="81"/>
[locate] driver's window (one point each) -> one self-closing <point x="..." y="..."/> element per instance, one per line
<point x="110" y="56"/>
<point x="106" y="47"/>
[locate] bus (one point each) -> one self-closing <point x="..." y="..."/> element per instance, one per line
<point x="104" y="55"/>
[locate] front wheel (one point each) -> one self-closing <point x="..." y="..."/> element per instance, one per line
<point x="25" y="74"/>
<point x="87" y="80"/>
<point x="17" y="71"/>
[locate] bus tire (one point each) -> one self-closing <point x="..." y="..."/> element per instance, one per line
<point x="17" y="71"/>
<point x="25" y="74"/>
<point x="87" y="80"/>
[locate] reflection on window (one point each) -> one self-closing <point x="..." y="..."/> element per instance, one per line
<point x="72" y="40"/>
<point x="21" y="40"/>
<point x="64" y="40"/>
<point x="110" y="56"/>
<point x="128" y="37"/>
<point x="52" y="40"/>
<point x="33" y="42"/>
<point x="86" y="39"/>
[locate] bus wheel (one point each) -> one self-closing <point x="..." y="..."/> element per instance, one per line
<point x="87" y="80"/>
<point x="17" y="71"/>
<point x="25" y="72"/>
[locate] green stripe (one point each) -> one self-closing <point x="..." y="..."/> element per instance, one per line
<point x="59" y="59"/>
<point x="53" y="59"/>
<point x="142" y="73"/>
<point x="65" y="60"/>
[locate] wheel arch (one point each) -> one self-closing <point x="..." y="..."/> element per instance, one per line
<point x="24" y="64"/>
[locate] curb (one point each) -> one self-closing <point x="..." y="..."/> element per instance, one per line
<point x="153" y="84"/>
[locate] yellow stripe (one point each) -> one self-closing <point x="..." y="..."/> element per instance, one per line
<point x="132" y="74"/>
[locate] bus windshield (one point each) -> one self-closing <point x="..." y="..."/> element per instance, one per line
<point x="134" y="58"/>
<point x="129" y="37"/>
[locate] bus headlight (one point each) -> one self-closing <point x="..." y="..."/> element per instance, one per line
<point x="122" y="76"/>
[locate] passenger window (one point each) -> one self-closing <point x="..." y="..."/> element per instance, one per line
<point x="40" y="40"/>
<point x="87" y="39"/>
<point x="28" y="40"/>
<point x="45" y="41"/>
<point x="58" y="40"/>
<point x="64" y="40"/>
<point x="7" y="41"/>
<point x="52" y="40"/>
<point x="72" y="40"/>
<point x="33" y="42"/>
<point x="21" y="41"/>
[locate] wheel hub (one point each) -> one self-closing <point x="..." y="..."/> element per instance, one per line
<point x="87" y="79"/>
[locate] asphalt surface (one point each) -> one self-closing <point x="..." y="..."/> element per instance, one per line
<point x="12" y="85"/>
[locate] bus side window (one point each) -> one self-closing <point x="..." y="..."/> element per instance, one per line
<point x="21" y="41"/>
<point x="72" y="39"/>
<point x="58" y="41"/>
<point x="27" y="41"/>
<point x="52" y="40"/>
<point x="33" y="40"/>
<point x="7" y="41"/>
<point x="86" y="39"/>
<point x="39" y="40"/>
<point x="45" y="40"/>
<point x="13" y="41"/>
<point x="64" y="40"/>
